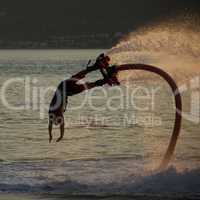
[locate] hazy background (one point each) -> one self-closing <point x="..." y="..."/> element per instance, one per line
<point x="78" y="23"/>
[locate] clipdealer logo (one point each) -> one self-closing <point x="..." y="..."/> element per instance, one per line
<point x="35" y="97"/>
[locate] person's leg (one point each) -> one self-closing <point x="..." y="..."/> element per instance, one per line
<point x="98" y="83"/>
<point x="80" y="75"/>
<point x="92" y="68"/>
<point x="87" y="86"/>
<point x="83" y="73"/>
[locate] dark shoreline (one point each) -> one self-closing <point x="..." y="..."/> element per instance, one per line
<point x="66" y="48"/>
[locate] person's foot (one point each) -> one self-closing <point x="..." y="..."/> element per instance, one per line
<point x="100" y="82"/>
<point x="92" y="68"/>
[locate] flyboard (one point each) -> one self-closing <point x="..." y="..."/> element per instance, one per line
<point x="177" y="96"/>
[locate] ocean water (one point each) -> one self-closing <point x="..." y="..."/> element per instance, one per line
<point x="105" y="152"/>
<point x="115" y="137"/>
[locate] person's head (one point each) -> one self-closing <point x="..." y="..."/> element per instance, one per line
<point x="56" y="119"/>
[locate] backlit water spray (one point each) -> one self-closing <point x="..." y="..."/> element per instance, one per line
<point x="172" y="46"/>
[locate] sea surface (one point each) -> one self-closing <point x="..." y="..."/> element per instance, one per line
<point x="114" y="140"/>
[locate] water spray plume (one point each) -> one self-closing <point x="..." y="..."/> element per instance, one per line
<point x="173" y="45"/>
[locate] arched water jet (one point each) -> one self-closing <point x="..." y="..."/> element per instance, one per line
<point x="178" y="102"/>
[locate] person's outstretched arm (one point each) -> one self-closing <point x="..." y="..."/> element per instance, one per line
<point x="62" y="131"/>
<point x="50" y="131"/>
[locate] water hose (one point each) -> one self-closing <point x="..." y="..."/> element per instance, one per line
<point x="178" y="103"/>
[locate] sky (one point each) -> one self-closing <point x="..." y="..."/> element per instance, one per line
<point x="38" y="19"/>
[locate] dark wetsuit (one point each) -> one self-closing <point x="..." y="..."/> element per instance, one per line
<point x="67" y="88"/>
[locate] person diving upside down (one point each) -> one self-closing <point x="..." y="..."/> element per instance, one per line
<point x="71" y="87"/>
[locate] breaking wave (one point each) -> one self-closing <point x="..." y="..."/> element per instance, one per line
<point x="166" y="182"/>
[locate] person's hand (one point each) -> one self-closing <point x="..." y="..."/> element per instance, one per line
<point x="59" y="139"/>
<point x="50" y="139"/>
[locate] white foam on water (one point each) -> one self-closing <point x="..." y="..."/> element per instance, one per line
<point x="101" y="177"/>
